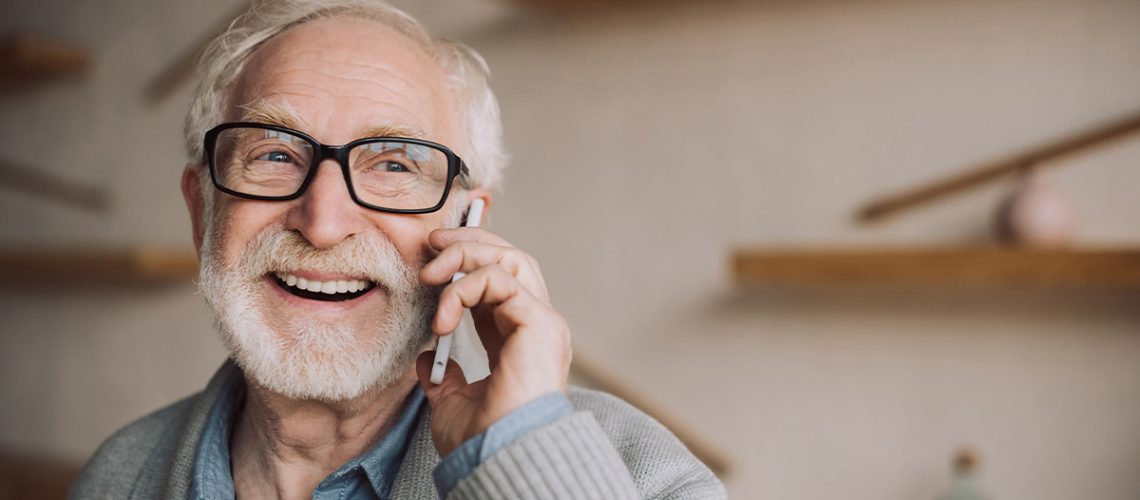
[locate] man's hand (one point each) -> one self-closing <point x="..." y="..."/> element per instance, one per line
<point x="527" y="341"/>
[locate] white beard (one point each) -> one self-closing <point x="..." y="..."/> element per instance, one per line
<point x="306" y="358"/>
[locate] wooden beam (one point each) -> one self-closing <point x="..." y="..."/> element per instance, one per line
<point x="982" y="174"/>
<point x="27" y="60"/>
<point x="595" y="376"/>
<point x="183" y="67"/>
<point x="98" y="265"/>
<point x="37" y="182"/>
<point x="976" y="267"/>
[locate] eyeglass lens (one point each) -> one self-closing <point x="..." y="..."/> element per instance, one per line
<point x="384" y="173"/>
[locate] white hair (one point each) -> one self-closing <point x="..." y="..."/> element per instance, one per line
<point x="468" y="74"/>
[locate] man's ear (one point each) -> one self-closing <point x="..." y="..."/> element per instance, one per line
<point x="192" y="193"/>
<point x="483" y="193"/>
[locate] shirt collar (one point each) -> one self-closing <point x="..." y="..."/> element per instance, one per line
<point x="212" y="477"/>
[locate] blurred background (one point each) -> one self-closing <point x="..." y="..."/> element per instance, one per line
<point x="842" y="248"/>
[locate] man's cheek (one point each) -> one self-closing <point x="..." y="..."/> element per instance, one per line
<point x="426" y="255"/>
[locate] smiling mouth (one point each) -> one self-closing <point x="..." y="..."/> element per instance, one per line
<point x="328" y="291"/>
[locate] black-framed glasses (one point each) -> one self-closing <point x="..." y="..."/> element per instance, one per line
<point x="389" y="174"/>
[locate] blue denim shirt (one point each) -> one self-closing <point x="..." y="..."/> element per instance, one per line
<point x="371" y="475"/>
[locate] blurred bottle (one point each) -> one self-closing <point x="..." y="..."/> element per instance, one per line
<point x="965" y="485"/>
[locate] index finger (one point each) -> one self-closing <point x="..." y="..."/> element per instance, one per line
<point x="441" y="238"/>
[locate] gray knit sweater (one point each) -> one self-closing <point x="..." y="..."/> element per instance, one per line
<point x="605" y="449"/>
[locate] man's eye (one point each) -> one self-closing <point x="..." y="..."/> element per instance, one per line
<point x="275" y="156"/>
<point x="392" y="166"/>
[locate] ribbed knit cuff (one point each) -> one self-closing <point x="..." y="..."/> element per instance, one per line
<point x="570" y="458"/>
<point x="459" y="464"/>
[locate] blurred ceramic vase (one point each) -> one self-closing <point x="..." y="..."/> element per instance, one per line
<point x="965" y="484"/>
<point x="1036" y="214"/>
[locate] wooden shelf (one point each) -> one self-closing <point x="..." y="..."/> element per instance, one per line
<point x="27" y="60"/>
<point x="98" y="266"/>
<point x="981" y="266"/>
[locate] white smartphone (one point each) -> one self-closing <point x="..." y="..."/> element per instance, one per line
<point x="443" y="346"/>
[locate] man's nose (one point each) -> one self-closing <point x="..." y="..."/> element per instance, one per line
<point x="325" y="214"/>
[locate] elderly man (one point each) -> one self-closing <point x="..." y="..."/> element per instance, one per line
<point x="335" y="147"/>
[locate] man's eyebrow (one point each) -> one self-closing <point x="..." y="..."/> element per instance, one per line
<point x="393" y="131"/>
<point x="275" y="112"/>
<point x="272" y="113"/>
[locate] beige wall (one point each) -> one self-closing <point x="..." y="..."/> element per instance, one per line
<point x="648" y="144"/>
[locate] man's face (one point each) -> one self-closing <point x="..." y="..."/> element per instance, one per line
<point x="337" y="80"/>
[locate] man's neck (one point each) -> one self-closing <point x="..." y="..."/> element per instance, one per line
<point x="284" y="448"/>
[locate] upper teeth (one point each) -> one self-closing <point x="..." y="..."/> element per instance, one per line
<point x="330" y="287"/>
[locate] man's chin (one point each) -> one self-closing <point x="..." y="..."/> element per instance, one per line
<point x="325" y="379"/>
<point x="316" y="361"/>
<point x="313" y="357"/>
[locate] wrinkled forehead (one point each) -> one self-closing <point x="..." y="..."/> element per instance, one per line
<point x="340" y="79"/>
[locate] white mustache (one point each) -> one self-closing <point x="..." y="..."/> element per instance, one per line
<point x="366" y="255"/>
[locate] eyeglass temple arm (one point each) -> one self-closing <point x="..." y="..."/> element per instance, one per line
<point x="464" y="175"/>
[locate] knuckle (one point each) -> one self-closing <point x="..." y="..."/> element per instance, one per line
<point x="463" y="247"/>
<point x="452" y="289"/>
<point x="497" y="270"/>
<point x="515" y="258"/>
<point x="476" y="233"/>
<point x="466" y="287"/>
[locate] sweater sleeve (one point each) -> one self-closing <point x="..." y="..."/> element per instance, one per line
<point x="571" y="458"/>
<point x="463" y="460"/>
<point x="630" y="457"/>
